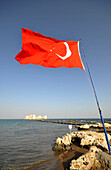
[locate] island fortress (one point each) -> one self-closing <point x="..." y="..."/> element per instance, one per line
<point x="34" y="117"/>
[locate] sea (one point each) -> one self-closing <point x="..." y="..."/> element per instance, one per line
<point x="27" y="144"/>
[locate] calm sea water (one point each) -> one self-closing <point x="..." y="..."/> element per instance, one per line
<point x="26" y="144"/>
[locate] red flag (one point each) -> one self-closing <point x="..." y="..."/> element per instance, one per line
<point x="49" y="52"/>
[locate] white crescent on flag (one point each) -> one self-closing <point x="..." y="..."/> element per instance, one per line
<point x="68" y="52"/>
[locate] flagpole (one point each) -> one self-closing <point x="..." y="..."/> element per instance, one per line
<point x="102" y="120"/>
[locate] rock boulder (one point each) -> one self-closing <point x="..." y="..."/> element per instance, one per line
<point x="94" y="159"/>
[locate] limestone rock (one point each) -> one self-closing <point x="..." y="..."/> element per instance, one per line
<point x="59" y="141"/>
<point x="100" y="125"/>
<point x="66" y="139"/>
<point x="83" y="138"/>
<point x="85" y="127"/>
<point x="88" y="126"/>
<point x="84" y="162"/>
<point x="63" y="143"/>
<point x="91" y="138"/>
<point x="94" y="159"/>
<point x="107" y="125"/>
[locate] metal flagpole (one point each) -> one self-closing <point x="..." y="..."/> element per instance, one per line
<point x="102" y="120"/>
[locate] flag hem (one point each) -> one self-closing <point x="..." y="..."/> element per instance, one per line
<point x="80" y="55"/>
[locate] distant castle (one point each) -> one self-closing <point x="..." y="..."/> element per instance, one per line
<point x="34" y="117"/>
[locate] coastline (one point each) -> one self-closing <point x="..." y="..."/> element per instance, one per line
<point x="43" y="135"/>
<point x="66" y="157"/>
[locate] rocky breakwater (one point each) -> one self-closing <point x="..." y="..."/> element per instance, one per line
<point x="83" y="139"/>
<point x="96" y="142"/>
<point x="97" y="126"/>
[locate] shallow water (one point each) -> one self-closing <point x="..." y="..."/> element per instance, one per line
<point x="28" y="144"/>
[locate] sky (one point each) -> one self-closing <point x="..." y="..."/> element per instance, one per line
<point x="55" y="92"/>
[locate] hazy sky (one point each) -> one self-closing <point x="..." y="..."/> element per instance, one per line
<point x="59" y="92"/>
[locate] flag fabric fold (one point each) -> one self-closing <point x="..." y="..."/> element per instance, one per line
<point x="38" y="49"/>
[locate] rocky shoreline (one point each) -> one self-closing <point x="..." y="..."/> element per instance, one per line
<point x="96" y="157"/>
<point x="86" y="125"/>
<point x="84" y="149"/>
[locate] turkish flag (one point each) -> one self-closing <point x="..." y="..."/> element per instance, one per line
<point x="49" y="52"/>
